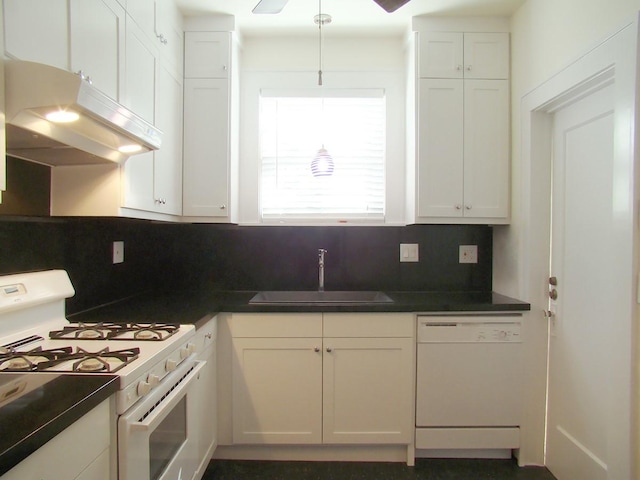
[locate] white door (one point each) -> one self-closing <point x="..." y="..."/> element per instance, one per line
<point x="582" y="391"/>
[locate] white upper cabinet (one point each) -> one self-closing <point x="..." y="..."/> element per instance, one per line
<point x="37" y="31"/>
<point x="210" y="156"/>
<point x="464" y="55"/>
<point x="97" y="34"/>
<point x="462" y="144"/>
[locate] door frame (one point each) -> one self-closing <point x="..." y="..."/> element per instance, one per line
<point x="614" y="58"/>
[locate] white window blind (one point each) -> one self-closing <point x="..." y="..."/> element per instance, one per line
<point x="351" y="125"/>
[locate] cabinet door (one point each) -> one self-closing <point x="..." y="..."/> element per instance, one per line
<point x="141" y="64"/>
<point x="97" y="42"/>
<point x="170" y="32"/>
<point x="441" y="55"/>
<point x="486" y="55"/>
<point x="368" y="387"/>
<point x="37" y="31"/>
<point x="277" y="390"/>
<point x="143" y="12"/>
<point x="440" y="146"/>
<point x="207" y="55"/>
<point x="206" y="148"/>
<point x="168" y="160"/>
<point x="486" y="149"/>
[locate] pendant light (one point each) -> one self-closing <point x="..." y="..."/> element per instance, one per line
<point x="322" y="164"/>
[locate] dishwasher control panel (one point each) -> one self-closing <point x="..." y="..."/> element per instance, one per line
<point x="430" y="331"/>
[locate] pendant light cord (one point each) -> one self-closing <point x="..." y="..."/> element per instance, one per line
<point x="320" y="42"/>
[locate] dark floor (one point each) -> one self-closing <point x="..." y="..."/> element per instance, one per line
<point x="425" y="469"/>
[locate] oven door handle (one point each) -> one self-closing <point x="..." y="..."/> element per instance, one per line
<point x="161" y="407"/>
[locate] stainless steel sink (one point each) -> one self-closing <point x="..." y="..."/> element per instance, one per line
<point x="325" y="297"/>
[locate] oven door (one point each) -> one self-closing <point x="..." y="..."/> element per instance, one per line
<point x="157" y="438"/>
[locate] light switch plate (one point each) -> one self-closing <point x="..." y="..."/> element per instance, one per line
<point x="468" y="254"/>
<point x="409" y="252"/>
<point x="118" y="252"/>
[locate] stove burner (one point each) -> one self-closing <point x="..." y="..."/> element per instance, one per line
<point x="116" y="331"/>
<point x="90" y="365"/>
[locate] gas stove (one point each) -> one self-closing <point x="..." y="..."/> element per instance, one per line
<point x="36" y="337"/>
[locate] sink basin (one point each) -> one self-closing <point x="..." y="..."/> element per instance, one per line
<point x="311" y="297"/>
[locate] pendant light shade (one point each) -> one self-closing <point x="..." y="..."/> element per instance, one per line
<point x="322" y="164"/>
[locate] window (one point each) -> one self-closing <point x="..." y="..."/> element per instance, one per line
<point x="351" y="125"/>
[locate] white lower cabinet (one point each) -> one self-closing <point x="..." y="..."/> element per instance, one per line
<point x="329" y="379"/>
<point x="89" y="438"/>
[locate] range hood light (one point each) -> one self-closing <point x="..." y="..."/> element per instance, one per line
<point x="132" y="148"/>
<point x="62" y="116"/>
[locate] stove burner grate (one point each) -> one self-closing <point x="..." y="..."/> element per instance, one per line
<point x="116" y="331"/>
<point x="84" y="361"/>
<point x="29" y="361"/>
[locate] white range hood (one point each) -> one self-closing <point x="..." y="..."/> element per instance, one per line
<point x="93" y="128"/>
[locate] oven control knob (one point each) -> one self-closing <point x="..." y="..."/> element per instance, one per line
<point x="187" y="350"/>
<point x="153" y="379"/>
<point x="171" y="365"/>
<point x="143" y="388"/>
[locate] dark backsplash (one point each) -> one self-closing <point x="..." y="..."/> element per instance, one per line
<point x="229" y="257"/>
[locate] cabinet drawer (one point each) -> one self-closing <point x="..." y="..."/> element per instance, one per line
<point x="283" y="325"/>
<point x="368" y="325"/>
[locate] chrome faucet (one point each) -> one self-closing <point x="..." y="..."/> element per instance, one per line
<point x="321" y="252"/>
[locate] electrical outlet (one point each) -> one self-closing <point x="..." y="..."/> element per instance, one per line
<point x="118" y="252"/>
<point x="468" y="254"/>
<point x="409" y="252"/>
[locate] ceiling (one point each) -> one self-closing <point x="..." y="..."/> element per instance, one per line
<point x="350" y="17"/>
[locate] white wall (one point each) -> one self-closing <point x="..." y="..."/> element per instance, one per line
<point x="546" y="36"/>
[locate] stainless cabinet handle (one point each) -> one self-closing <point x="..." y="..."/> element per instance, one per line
<point x="553" y="294"/>
<point x="468" y="207"/>
<point x="224" y="67"/>
<point x="223" y="207"/>
<point x="468" y="67"/>
<point x="458" y="207"/>
<point x="329" y="349"/>
<point x="459" y="67"/>
<point x="316" y="349"/>
<point x="162" y="39"/>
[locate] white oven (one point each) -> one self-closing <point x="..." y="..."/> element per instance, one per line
<point x="157" y="438"/>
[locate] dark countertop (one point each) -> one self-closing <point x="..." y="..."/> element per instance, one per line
<point x="182" y="307"/>
<point x="35" y="417"/>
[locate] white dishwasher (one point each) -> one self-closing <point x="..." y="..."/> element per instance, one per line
<point x="468" y="384"/>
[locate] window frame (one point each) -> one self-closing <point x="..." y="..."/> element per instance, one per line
<point x="393" y="84"/>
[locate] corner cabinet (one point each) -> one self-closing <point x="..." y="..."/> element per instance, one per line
<point x="210" y="152"/>
<point x="462" y="169"/>
<point x="322" y="378"/>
